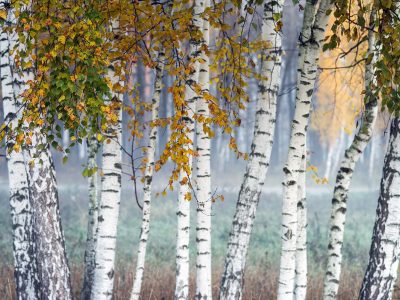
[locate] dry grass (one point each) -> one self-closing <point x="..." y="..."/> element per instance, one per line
<point x="159" y="284"/>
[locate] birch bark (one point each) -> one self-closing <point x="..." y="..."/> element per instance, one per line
<point x="51" y="259"/>
<point x="381" y="273"/>
<point x="300" y="290"/>
<point x="21" y="210"/>
<point x="90" y="251"/>
<point x="343" y="181"/>
<point x="110" y="197"/>
<point x="109" y="208"/>
<point x="52" y="272"/>
<point x="311" y="40"/>
<point x="183" y="213"/>
<point x="148" y="178"/>
<point x="204" y="203"/>
<point x="257" y="166"/>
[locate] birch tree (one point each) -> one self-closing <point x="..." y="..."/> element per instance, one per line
<point x="21" y="210"/>
<point x="110" y="195"/>
<point x="52" y="272"/>
<point x="311" y="39"/>
<point x="260" y="153"/>
<point x="183" y="213"/>
<point x="52" y="264"/>
<point x="148" y="179"/>
<point x="204" y="203"/>
<point x="345" y="173"/>
<point x="381" y="273"/>
<point x="90" y="254"/>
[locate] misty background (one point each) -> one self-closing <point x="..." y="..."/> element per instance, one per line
<point x="227" y="175"/>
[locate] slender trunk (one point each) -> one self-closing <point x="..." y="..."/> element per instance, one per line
<point x="340" y="146"/>
<point x="110" y="197"/>
<point x="52" y="264"/>
<point x="183" y="213"/>
<point x="312" y="36"/>
<point x="90" y="254"/>
<point x="300" y="291"/>
<point x="182" y="251"/>
<point x="65" y="138"/>
<point x="81" y="150"/>
<point x="148" y="178"/>
<point x="343" y="180"/>
<point x="257" y="166"/>
<point x="204" y="203"/>
<point x="329" y="159"/>
<point x="371" y="162"/>
<point x="381" y="272"/>
<point x="21" y="211"/>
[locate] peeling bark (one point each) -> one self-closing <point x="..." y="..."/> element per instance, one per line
<point x="52" y="265"/>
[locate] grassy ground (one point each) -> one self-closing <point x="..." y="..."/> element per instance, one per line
<point x="263" y="259"/>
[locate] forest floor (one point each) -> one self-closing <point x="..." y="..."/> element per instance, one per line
<point x="263" y="256"/>
<point x="159" y="285"/>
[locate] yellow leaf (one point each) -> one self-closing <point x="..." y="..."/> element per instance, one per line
<point x="16" y="147"/>
<point x="31" y="163"/>
<point x="3" y="14"/>
<point x="62" y="39"/>
<point x="188" y="196"/>
<point x="41" y="93"/>
<point x="184" y="180"/>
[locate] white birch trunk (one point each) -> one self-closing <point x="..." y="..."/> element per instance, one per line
<point x="312" y="36"/>
<point x="148" y="178"/>
<point x="183" y="213"/>
<point x="257" y="166"/>
<point x="65" y="138"/>
<point x="90" y="251"/>
<point x="21" y="211"/>
<point x="204" y="203"/>
<point x="338" y="152"/>
<point x="329" y="159"/>
<point x="371" y="162"/>
<point x="52" y="269"/>
<point x="343" y="181"/>
<point x="182" y="251"/>
<point x="300" y="291"/>
<point x="81" y="150"/>
<point x="52" y="264"/>
<point x="110" y="197"/>
<point x="381" y="273"/>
